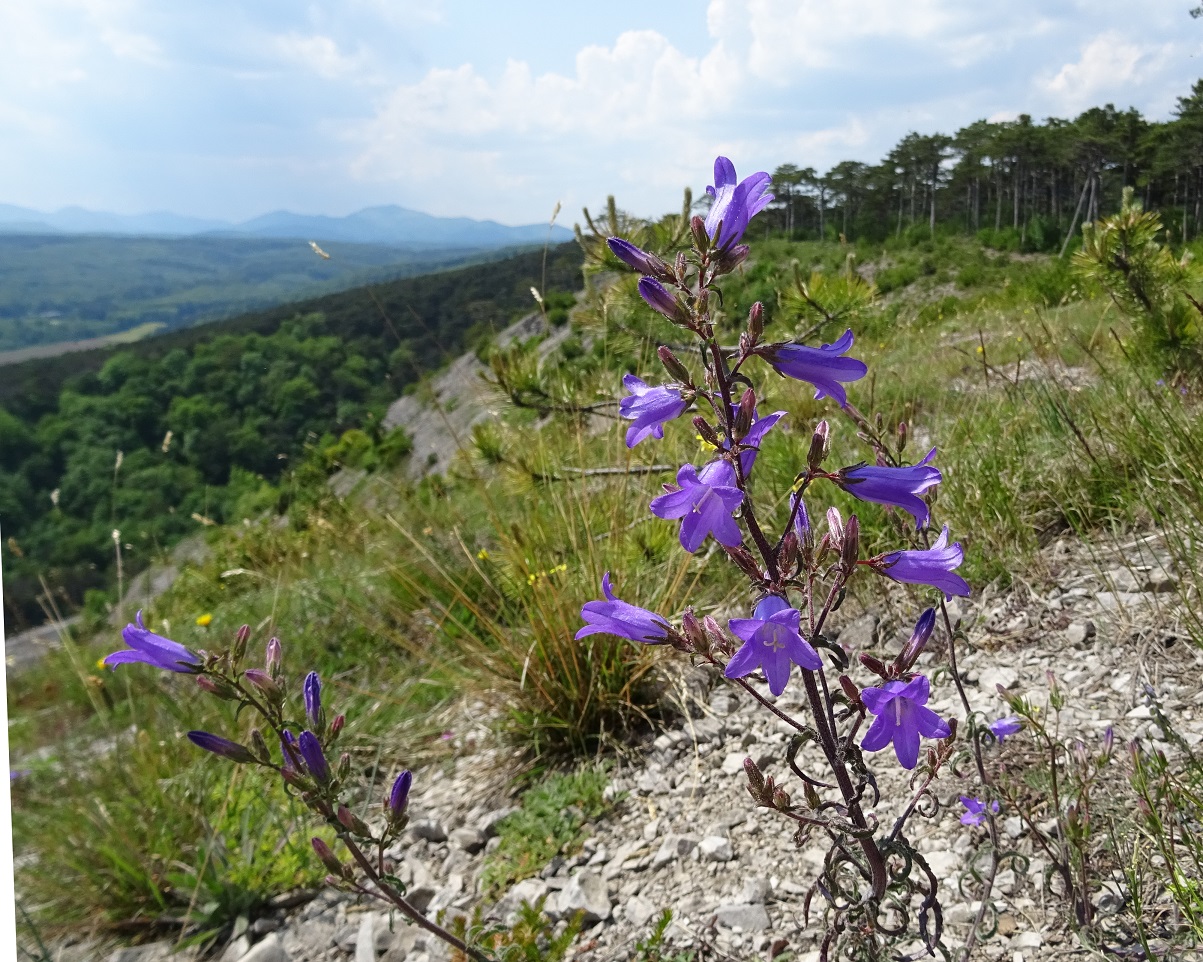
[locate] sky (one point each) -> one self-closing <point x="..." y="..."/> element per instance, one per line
<point x="501" y="110"/>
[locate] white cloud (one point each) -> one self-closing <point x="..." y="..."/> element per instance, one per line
<point x="1108" y="65"/>
<point x="131" y="46"/>
<point x="318" y="54"/>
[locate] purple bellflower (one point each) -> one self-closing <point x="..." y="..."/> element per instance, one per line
<point x="614" y="617"/>
<point x="315" y="760"/>
<point x="771" y="641"/>
<point x="825" y="367"/>
<point x="975" y="810"/>
<point x="735" y="204"/>
<point x="801" y="518"/>
<point x="221" y="746"/>
<point x="398" y="796"/>
<point x="705" y="502"/>
<point x="1002" y="728"/>
<point x="312" y="691"/>
<point x="760" y="427"/>
<point x="639" y="259"/>
<point x="901" y="718"/>
<point x="900" y="487"/>
<point x="649" y="408"/>
<point x="928" y="566"/>
<point x="659" y="299"/>
<point x="145" y="645"/>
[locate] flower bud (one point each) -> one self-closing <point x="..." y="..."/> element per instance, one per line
<point x="706" y="431"/>
<point x="756" y="322"/>
<point x="875" y="665"/>
<point x="344" y="766"/>
<point x="352" y="822"/>
<point x="903" y="435"/>
<point x="818" y="447"/>
<point x="745" y="411"/>
<point x="240" y="640"/>
<point x="398" y="796"/>
<point x="264" y="682"/>
<point x="850" y="689"/>
<point x="337" y="724"/>
<point x="221" y="746"/>
<point x="851" y="548"/>
<point x="812" y="797"/>
<point x="781" y="800"/>
<point x="787" y="555"/>
<point x="313" y="756"/>
<point x="1108" y="742"/>
<point x="312" y="691"/>
<point x="661" y="301"/>
<point x="731" y="258"/>
<point x="835" y="525"/>
<point x="918" y="640"/>
<point x="329" y="859"/>
<point x="697" y="227"/>
<point x="205" y="683"/>
<point x="273" y="657"/>
<point x="676" y="370"/>
<point x="755" y="778"/>
<point x="641" y="260"/>
<point x="679" y="266"/>
<point x="744" y="561"/>
<point x="694" y="632"/>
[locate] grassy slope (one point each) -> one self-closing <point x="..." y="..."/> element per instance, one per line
<point x="472" y="583"/>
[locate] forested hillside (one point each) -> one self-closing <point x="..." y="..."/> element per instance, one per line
<point x="56" y="288"/>
<point x="158" y="438"/>
<point x="1019" y="182"/>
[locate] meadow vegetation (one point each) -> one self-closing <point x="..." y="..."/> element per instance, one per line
<point x="1059" y="411"/>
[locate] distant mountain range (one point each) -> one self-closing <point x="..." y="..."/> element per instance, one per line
<point x="389" y="225"/>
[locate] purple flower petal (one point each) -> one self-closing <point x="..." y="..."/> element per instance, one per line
<point x="899" y="487"/>
<point x="825" y="367"/>
<point x="932" y="566"/>
<point x="902" y="717"/>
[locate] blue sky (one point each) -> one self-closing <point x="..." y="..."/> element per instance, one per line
<point x="230" y="109"/>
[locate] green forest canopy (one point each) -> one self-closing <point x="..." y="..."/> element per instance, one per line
<point x="243" y="400"/>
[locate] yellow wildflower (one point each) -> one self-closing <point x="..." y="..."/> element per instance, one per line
<point x="204" y="620"/>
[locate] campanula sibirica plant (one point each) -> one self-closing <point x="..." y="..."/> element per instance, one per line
<point x="797" y="574"/>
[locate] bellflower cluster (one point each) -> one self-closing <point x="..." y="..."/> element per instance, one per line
<point x="796" y="574"/>
<point x="304" y="762"/>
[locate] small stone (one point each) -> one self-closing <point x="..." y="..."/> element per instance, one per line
<point x="755" y="891"/>
<point x="262" y="926"/>
<point x="585" y="893"/>
<point x="1159" y="580"/>
<point x="365" y="938"/>
<point x="428" y="829"/>
<point x="269" y="950"/>
<point x="468" y="840"/>
<point x="861" y="634"/>
<point x="672" y="848"/>
<point x="716" y="848"/>
<point x="991" y="678"/>
<point x="943" y="863"/>
<point x="1027" y="940"/>
<point x="748" y="918"/>
<point x="236" y="949"/>
<point x="638" y="911"/>
<point x="1079" y="631"/>
<point x="733" y="764"/>
<point x="1013" y="826"/>
<point x="527" y="891"/>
